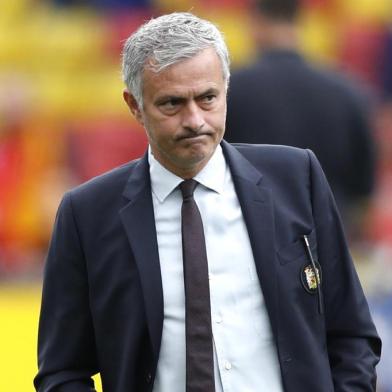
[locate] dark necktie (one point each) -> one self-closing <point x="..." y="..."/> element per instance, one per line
<point x="199" y="351"/>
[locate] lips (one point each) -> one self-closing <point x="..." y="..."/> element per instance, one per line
<point x="193" y="136"/>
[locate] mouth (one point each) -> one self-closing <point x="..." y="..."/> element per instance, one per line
<point x="193" y="136"/>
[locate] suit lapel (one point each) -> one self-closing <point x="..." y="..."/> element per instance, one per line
<point x="257" y="209"/>
<point x="138" y="220"/>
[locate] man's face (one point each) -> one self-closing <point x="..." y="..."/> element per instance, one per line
<point x="184" y="112"/>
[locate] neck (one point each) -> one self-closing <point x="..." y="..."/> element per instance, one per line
<point x="276" y="35"/>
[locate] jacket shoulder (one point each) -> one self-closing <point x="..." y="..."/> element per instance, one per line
<point x="111" y="182"/>
<point x="279" y="164"/>
<point x="273" y="154"/>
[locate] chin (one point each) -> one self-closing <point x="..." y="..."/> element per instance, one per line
<point x="201" y="154"/>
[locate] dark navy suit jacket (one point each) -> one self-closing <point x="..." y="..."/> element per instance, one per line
<point x="102" y="308"/>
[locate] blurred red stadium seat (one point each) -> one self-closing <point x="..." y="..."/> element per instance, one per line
<point x="98" y="146"/>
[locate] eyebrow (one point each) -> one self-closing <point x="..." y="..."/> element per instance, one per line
<point x="169" y="97"/>
<point x="209" y="91"/>
<point x="164" y="98"/>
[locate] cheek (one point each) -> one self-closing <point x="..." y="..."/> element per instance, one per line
<point x="161" y="132"/>
<point x="217" y="120"/>
<point x="218" y="116"/>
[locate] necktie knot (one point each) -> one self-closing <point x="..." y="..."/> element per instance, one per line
<point x="188" y="187"/>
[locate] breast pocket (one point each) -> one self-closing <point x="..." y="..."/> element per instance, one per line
<point x="298" y="280"/>
<point x="297" y="250"/>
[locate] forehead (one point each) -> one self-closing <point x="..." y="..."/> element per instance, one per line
<point x="202" y="71"/>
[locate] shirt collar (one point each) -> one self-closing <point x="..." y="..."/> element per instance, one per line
<point x="163" y="181"/>
<point x="212" y="176"/>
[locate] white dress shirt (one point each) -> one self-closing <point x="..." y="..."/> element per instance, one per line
<point x="245" y="355"/>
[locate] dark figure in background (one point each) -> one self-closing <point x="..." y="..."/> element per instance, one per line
<point x="281" y="99"/>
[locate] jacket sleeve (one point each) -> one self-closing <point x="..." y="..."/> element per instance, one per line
<point x="352" y="342"/>
<point x="66" y="346"/>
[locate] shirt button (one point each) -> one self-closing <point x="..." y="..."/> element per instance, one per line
<point x="227" y="365"/>
<point x="218" y="319"/>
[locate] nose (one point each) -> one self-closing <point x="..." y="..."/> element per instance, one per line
<point x="193" y="118"/>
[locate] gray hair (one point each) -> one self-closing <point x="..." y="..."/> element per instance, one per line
<point x="166" y="40"/>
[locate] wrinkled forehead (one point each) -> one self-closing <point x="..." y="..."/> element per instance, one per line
<point x="154" y="66"/>
<point x="198" y="73"/>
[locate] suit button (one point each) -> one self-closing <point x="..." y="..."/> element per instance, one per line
<point x="148" y="378"/>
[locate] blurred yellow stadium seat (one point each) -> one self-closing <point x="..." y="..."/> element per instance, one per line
<point x="318" y="35"/>
<point x="234" y="22"/>
<point x="19" y="312"/>
<point x="367" y="10"/>
<point x="19" y="307"/>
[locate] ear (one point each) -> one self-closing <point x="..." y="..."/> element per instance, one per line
<point x="133" y="106"/>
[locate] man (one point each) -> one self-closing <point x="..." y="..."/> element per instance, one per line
<point x="285" y="308"/>
<point x="297" y="104"/>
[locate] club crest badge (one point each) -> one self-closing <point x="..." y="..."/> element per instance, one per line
<point x="309" y="279"/>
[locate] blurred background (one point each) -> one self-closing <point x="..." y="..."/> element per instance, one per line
<point x="62" y="121"/>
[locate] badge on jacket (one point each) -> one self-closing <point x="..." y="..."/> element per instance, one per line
<point x="309" y="279"/>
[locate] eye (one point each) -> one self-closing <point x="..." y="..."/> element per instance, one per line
<point x="170" y="103"/>
<point x="208" y="101"/>
<point x="209" y="98"/>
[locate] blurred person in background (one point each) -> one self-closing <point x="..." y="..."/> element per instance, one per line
<point x="282" y="99"/>
<point x="272" y="303"/>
